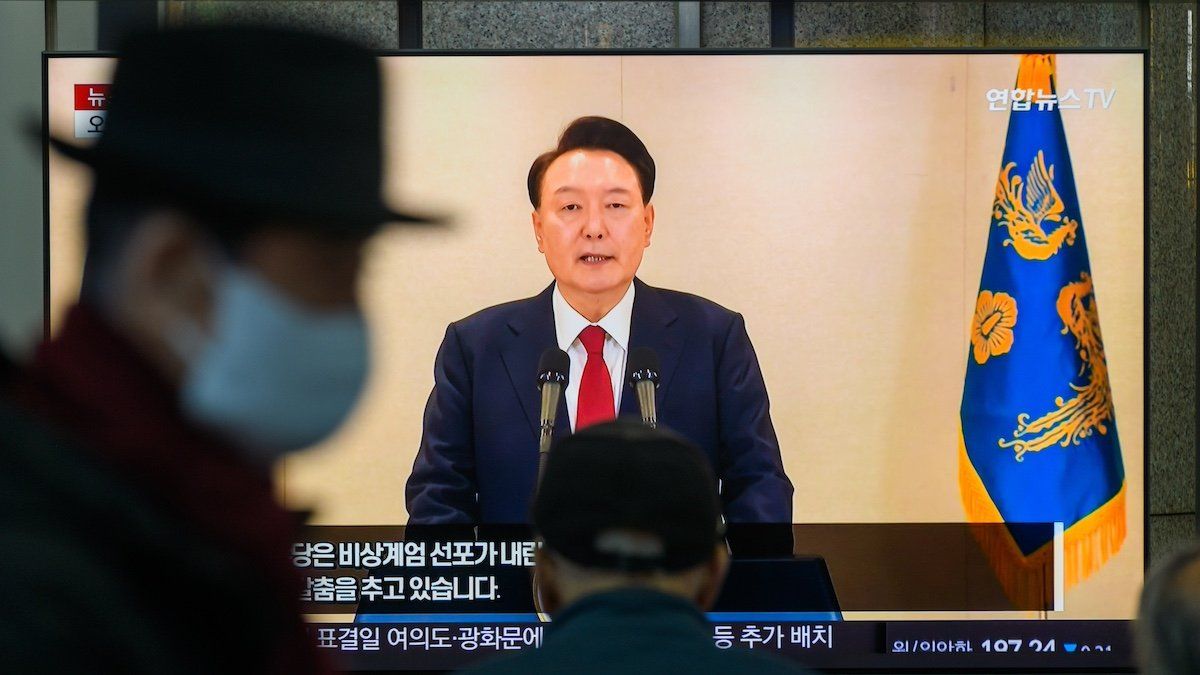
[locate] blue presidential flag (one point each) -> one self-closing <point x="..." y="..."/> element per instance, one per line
<point x="1039" y="435"/>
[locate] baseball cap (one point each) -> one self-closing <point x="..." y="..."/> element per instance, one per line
<point x="624" y="477"/>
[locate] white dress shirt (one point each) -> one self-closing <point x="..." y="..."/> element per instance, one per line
<point x="568" y="324"/>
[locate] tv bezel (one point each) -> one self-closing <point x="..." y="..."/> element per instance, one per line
<point x="1147" y="212"/>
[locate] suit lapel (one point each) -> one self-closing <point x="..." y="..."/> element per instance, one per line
<point x="653" y="326"/>
<point x="532" y="332"/>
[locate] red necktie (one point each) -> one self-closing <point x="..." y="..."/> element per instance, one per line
<point x="595" y="387"/>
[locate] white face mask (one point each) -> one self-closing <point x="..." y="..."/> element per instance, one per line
<point x="273" y="377"/>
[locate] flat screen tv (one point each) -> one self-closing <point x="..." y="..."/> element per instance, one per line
<point x="885" y="223"/>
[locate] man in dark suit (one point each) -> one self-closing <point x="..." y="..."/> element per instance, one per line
<point x="592" y="220"/>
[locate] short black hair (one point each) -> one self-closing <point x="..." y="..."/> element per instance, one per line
<point x="596" y="133"/>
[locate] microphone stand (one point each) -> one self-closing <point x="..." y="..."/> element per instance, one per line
<point x="552" y="386"/>
<point x="645" y="397"/>
<point x="544" y="438"/>
<point x="644" y="382"/>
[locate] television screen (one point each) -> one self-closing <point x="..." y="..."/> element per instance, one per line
<point x="887" y="225"/>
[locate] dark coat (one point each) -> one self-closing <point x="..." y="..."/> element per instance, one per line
<point x="478" y="457"/>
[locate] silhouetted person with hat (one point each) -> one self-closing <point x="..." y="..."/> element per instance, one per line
<point x="632" y="555"/>
<point x="218" y="329"/>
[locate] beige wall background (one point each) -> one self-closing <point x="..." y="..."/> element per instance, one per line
<point x="841" y="203"/>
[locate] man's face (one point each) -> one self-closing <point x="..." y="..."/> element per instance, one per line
<point x="591" y="223"/>
<point x="170" y="271"/>
<point x="317" y="273"/>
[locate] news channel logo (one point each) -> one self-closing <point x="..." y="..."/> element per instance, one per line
<point x="1000" y="100"/>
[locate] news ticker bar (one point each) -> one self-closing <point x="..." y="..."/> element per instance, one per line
<point x="851" y="645"/>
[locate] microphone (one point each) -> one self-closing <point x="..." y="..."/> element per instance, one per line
<point x="642" y="375"/>
<point x="554" y="368"/>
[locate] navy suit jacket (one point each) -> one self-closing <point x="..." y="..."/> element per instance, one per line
<point x="478" y="457"/>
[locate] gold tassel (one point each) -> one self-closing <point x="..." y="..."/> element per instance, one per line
<point x="1028" y="581"/>
<point x="1036" y="73"/>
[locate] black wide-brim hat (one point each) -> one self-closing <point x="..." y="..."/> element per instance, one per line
<point x="270" y="122"/>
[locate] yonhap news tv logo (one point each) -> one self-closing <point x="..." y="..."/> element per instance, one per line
<point x="1017" y="99"/>
<point x="91" y="109"/>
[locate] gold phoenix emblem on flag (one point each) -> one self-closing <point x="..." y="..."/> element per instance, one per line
<point x="1076" y="419"/>
<point x="1027" y="206"/>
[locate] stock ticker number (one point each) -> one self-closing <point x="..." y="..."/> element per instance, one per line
<point x="999" y="646"/>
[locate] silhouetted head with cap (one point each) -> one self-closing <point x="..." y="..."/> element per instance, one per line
<point x="1168" y="625"/>
<point x="625" y="506"/>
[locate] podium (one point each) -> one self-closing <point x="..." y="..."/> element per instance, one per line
<point x="787" y="589"/>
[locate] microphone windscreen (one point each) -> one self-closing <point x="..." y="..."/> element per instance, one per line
<point x="643" y="359"/>
<point x="554" y="361"/>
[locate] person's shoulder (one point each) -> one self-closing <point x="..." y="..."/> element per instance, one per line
<point x="56" y="494"/>
<point x="498" y="315"/>
<point x="57" y="527"/>
<point x="689" y="303"/>
<point x="8" y="369"/>
<point x="42" y="470"/>
<point x="698" y="314"/>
